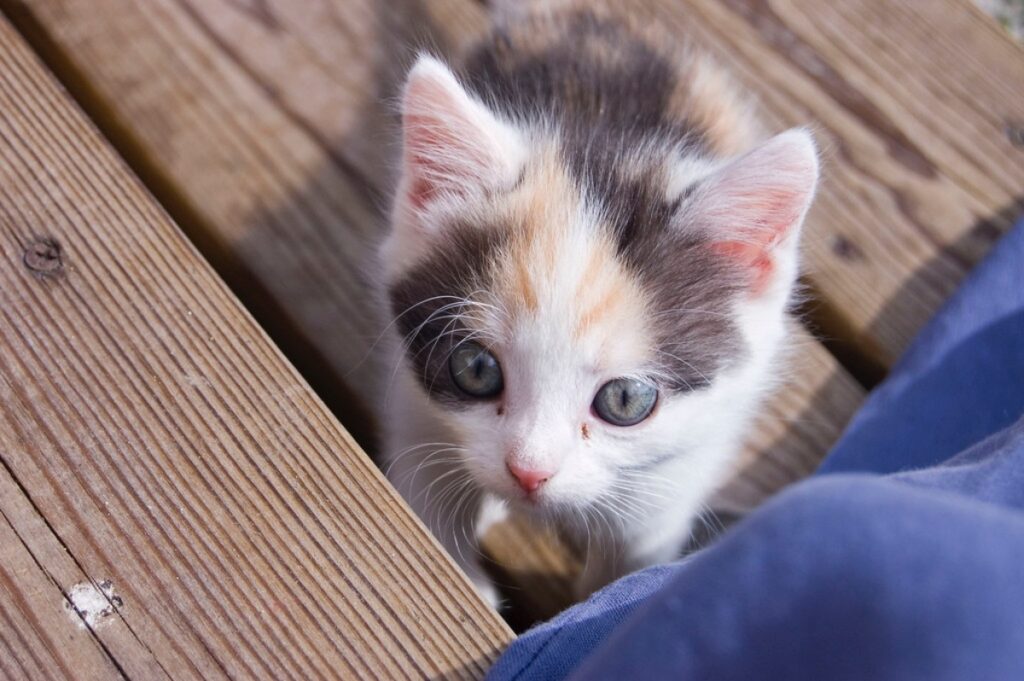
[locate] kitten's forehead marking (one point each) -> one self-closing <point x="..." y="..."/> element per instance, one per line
<point x="599" y="289"/>
<point x="539" y="213"/>
<point x="560" y="255"/>
<point x="705" y="97"/>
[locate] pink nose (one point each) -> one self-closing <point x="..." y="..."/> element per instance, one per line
<point x="530" y="479"/>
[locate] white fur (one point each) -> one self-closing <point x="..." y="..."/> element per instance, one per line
<point x="446" y="462"/>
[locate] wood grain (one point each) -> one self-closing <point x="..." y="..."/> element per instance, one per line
<point x="160" y="439"/>
<point x="265" y="129"/>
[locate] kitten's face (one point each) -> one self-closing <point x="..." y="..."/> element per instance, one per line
<point x="578" y="341"/>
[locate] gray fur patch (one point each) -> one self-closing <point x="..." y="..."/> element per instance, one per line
<point x="426" y="304"/>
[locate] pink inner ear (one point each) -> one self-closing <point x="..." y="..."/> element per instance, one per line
<point x="420" y="193"/>
<point x="451" y="144"/>
<point x="422" y="161"/>
<point x="432" y="158"/>
<point x="769" y="218"/>
<point x="754" y="257"/>
<point x="757" y="202"/>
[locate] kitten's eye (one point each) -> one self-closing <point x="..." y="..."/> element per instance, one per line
<point x="475" y="370"/>
<point x="625" y="401"/>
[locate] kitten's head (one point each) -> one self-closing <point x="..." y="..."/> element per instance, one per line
<point x="582" y="320"/>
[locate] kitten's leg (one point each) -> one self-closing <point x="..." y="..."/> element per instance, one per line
<point x="448" y="502"/>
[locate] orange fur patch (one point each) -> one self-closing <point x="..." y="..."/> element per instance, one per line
<point x="611" y="298"/>
<point x="706" y="98"/>
<point x="555" y="257"/>
<point x="538" y="210"/>
<point x="524" y="286"/>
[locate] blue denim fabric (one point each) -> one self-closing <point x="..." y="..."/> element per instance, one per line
<point x="905" y="561"/>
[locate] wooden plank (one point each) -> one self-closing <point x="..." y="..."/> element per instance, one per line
<point x="171" y="450"/>
<point x="265" y="126"/>
<point x="911" y="102"/>
<point x="42" y="580"/>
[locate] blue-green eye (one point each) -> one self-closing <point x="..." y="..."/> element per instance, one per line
<point x="475" y="370"/>
<point x="625" y="401"/>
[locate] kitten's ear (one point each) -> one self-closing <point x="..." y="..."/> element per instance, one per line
<point x="753" y="207"/>
<point x="453" y="147"/>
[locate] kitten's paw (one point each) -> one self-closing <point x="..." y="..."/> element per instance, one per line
<point x="487" y="591"/>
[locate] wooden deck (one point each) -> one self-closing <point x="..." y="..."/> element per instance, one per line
<point x="161" y="455"/>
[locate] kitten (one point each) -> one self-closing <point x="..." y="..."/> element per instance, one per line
<point x="591" y="255"/>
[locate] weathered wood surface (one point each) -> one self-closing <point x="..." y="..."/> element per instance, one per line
<point x="264" y="128"/>
<point x="39" y="636"/>
<point x="154" y="443"/>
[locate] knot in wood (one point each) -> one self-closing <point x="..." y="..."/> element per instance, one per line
<point x="1016" y="135"/>
<point x="43" y="257"/>
<point x="846" y="249"/>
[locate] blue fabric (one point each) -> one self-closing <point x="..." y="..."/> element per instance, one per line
<point x="904" y="559"/>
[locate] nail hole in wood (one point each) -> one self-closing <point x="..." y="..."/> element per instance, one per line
<point x="44" y="258"/>
<point x="846" y="249"/>
<point x="1016" y="134"/>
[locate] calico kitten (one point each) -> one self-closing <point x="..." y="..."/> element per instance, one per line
<point x="591" y="255"/>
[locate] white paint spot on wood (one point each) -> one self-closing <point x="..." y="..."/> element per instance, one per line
<point x="196" y="381"/>
<point x="90" y="604"/>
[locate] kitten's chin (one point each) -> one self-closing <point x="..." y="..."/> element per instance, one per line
<point x="518" y="498"/>
<point x="539" y="504"/>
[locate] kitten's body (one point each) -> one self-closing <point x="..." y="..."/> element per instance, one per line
<point x="570" y="205"/>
